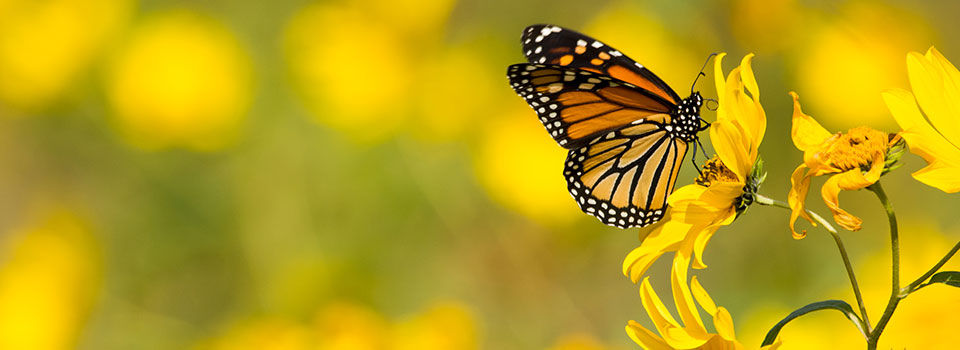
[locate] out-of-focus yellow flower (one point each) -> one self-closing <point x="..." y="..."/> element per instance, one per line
<point x="577" y="341"/>
<point x="521" y="167"/>
<point x="455" y="92"/>
<point x="840" y="67"/>
<point x="857" y="158"/>
<point x="936" y="138"/>
<point x="49" y="280"/>
<point x="767" y="24"/>
<point x="348" y="326"/>
<point x="728" y="182"/>
<point x="182" y="80"/>
<point x="446" y="325"/>
<point x="354" y="71"/>
<point x="690" y="333"/>
<point x="46" y="46"/>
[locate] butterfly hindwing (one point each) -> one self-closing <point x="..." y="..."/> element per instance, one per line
<point x="549" y="44"/>
<point x="624" y="178"/>
<point x="576" y="105"/>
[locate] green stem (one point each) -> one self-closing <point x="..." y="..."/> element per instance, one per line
<point x="761" y="199"/>
<point x="895" y="248"/>
<point x="917" y="284"/>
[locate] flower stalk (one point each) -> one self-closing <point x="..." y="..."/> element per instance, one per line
<point x="761" y="199"/>
<point x="895" y="295"/>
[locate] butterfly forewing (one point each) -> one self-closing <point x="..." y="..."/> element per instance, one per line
<point x="577" y="105"/>
<point x="549" y="44"/>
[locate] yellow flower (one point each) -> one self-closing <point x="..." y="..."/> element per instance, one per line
<point x="857" y="157"/>
<point x="49" y="282"/>
<point x="936" y="138"/>
<point x="183" y="80"/>
<point x="729" y="181"/>
<point x="47" y="46"/>
<point x="691" y="333"/>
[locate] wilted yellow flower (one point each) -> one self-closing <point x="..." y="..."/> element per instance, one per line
<point x="49" y="280"/>
<point x="690" y="333"/>
<point x="936" y="138"/>
<point x="46" y="45"/>
<point x="857" y="158"/>
<point x="183" y="80"/>
<point x="729" y="181"/>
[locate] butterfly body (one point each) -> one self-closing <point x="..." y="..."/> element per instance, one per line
<point x="626" y="130"/>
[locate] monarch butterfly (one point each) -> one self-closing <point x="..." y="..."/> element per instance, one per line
<point x="626" y="130"/>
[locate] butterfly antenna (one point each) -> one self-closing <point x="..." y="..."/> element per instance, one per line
<point x="701" y="74"/>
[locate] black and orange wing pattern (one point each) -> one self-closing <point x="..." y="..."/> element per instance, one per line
<point x="549" y="44"/>
<point x="627" y="132"/>
<point x="624" y="178"/>
<point x="576" y="105"/>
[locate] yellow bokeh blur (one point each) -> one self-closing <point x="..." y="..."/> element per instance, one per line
<point x="766" y="26"/>
<point x="354" y="72"/>
<point x="182" y="80"/>
<point x="522" y="168"/>
<point x="457" y="89"/>
<point x="46" y="45"/>
<point x="345" y="325"/>
<point x="268" y="333"/>
<point x="577" y="341"/>
<point x="49" y="279"/>
<point x="845" y="62"/>
<point x="445" y="325"/>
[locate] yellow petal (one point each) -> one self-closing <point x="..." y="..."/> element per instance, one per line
<point x="661" y="317"/>
<point x="807" y="134"/>
<point x="800" y="185"/>
<point x="718" y="78"/>
<point x="700" y="243"/>
<point x="723" y="322"/>
<point x="927" y="78"/>
<point x="921" y="137"/>
<point x="943" y="171"/>
<point x="645" y="338"/>
<point x="664" y="238"/>
<point x="706" y="302"/>
<point x="685" y="193"/>
<point x="682" y="296"/>
<point x="830" y="193"/>
<point x="754" y="119"/>
<point x="731" y="146"/>
<point x="940" y="175"/>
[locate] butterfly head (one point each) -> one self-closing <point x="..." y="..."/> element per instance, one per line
<point x="686" y="118"/>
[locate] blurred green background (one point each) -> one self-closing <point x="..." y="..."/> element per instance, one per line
<point x="359" y="175"/>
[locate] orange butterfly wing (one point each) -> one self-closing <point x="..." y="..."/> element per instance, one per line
<point x="549" y="44"/>
<point x="576" y="105"/>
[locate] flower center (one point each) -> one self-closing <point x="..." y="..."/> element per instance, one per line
<point x="855" y="149"/>
<point x="715" y="171"/>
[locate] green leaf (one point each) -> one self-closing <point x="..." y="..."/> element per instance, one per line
<point x="838" y="305"/>
<point x="951" y="278"/>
